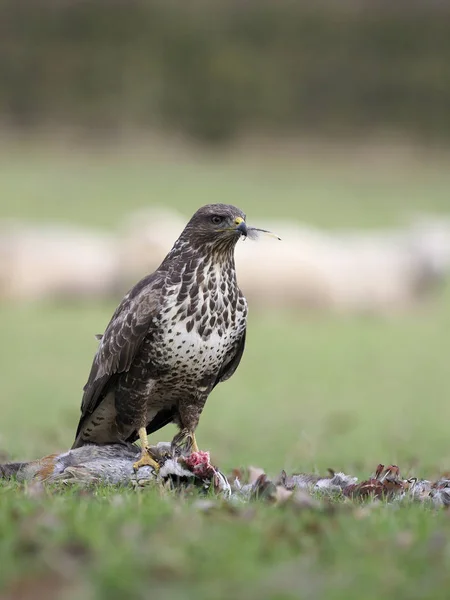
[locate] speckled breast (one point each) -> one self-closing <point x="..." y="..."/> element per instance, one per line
<point x="195" y="332"/>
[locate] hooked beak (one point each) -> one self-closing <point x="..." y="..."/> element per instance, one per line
<point x="241" y="226"/>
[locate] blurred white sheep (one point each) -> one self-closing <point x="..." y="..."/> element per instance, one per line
<point x="144" y="240"/>
<point x="349" y="271"/>
<point x="38" y="262"/>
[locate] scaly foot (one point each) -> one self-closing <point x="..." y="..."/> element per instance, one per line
<point x="185" y="440"/>
<point x="194" y="447"/>
<point x="146" y="460"/>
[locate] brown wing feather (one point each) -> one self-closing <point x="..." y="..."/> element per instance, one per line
<point x="121" y="340"/>
<point x="232" y="361"/>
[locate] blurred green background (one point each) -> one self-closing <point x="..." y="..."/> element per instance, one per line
<point x="332" y="114"/>
<point x="314" y="389"/>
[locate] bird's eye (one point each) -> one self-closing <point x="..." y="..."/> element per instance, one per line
<point x="216" y="219"/>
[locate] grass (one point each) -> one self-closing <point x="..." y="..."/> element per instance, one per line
<point x="313" y="391"/>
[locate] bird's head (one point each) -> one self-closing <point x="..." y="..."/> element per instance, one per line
<point x="217" y="225"/>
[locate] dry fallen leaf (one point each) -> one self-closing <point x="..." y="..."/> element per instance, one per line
<point x="282" y="495"/>
<point x="254" y="473"/>
<point x="263" y="489"/>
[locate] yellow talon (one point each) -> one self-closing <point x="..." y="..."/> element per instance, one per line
<point x="146" y="459"/>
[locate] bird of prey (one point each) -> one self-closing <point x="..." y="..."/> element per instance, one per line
<point x="178" y="333"/>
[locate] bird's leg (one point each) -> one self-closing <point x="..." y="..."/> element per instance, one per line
<point x="189" y="415"/>
<point x="185" y="440"/>
<point x="146" y="458"/>
<point x="194" y="447"/>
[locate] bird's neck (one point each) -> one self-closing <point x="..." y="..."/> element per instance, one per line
<point x="221" y="256"/>
<point x="212" y="270"/>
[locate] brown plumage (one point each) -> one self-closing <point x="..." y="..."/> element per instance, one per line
<point x="177" y="334"/>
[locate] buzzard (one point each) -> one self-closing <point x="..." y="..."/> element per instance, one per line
<point x="177" y="333"/>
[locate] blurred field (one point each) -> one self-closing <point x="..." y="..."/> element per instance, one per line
<point x="312" y="391"/>
<point x="310" y="387"/>
<point x="331" y="186"/>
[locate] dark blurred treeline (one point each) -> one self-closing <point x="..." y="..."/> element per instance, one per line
<point x="214" y="69"/>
